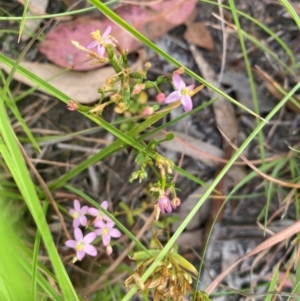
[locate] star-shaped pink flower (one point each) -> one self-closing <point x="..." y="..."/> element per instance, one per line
<point x="181" y="93"/>
<point x="107" y="230"/>
<point x="102" y="40"/>
<point x="100" y="216"/>
<point x="78" y="214"/>
<point x="82" y="244"/>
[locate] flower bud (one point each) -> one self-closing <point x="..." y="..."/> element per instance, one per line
<point x="109" y="250"/>
<point x="148" y="111"/>
<point x="160" y="97"/>
<point x="72" y="105"/>
<point x="147" y="65"/>
<point x="176" y="202"/>
<point x="137" y="89"/>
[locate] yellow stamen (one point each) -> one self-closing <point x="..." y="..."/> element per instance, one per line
<point x="79" y="246"/>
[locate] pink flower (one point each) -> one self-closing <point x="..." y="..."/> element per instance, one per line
<point x="107" y="230"/>
<point x="164" y="204"/>
<point x="79" y="214"/>
<point x="100" y="216"/>
<point x="101" y="41"/>
<point x="82" y="244"/>
<point x="181" y="93"/>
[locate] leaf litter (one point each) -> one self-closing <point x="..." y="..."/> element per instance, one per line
<point x="107" y="170"/>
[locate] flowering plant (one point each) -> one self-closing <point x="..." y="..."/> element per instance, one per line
<point x="103" y="227"/>
<point x="125" y="91"/>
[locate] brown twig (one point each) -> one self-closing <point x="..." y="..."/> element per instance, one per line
<point x="46" y="191"/>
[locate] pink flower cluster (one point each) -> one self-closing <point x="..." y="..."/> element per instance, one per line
<point x="103" y="225"/>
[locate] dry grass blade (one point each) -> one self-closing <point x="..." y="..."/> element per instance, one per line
<point x="265" y="176"/>
<point x="280" y="236"/>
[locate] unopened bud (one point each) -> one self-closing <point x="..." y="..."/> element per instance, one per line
<point x="109" y="250"/>
<point x="106" y="88"/>
<point x="147" y="65"/>
<point x="115" y="97"/>
<point x="72" y="105"/>
<point x="148" y="111"/>
<point x="176" y="202"/>
<point x="137" y="89"/>
<point x="160" y="97"/>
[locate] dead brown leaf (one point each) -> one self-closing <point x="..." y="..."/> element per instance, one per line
<point x="198" y="34"/>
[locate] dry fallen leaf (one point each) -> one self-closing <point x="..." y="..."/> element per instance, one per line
<point x="153" y="23"/>
<point x="198" y="34"/>
<point x="79" y="86"/>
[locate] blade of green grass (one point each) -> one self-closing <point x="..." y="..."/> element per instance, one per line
<point x="26" y="4"/>
<point x="14" y="160"/>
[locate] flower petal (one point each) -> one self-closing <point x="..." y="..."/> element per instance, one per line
<point x="104" y="205"/>
<point x="76" y="205"/>
<point x="114" y="232"/>
<point x="80" y="254"/>
<point x="106" y="239"/>
<point x="99" y="223"/>
<point x="78" y="235"/>
<point x="76" y="222"/>
<point x="174" y="96"/>
<point x="187" y="103"/>
<point x="168" y="207"/>
<point x="190" y="88"/>
<point x="110" y="224"/>
<point x="178" y="83"/>
<point x="72" y="211"/>
<point x="71" y="243"/>
<point x="93" y="211"/>
<point x="161" y="208"/>
<point x="100" y="50"/>
<point x="82" y="220"/>
<point x="84" y="210"/>
<point x="98" y="232"/>
<point x="106" y="32"/>
<point x="93" y="44"/>
<point x="91" y="250"/>
<point x="89" y="238"/>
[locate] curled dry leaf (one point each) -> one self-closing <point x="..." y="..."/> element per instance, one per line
<point x="152" y="22"/>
